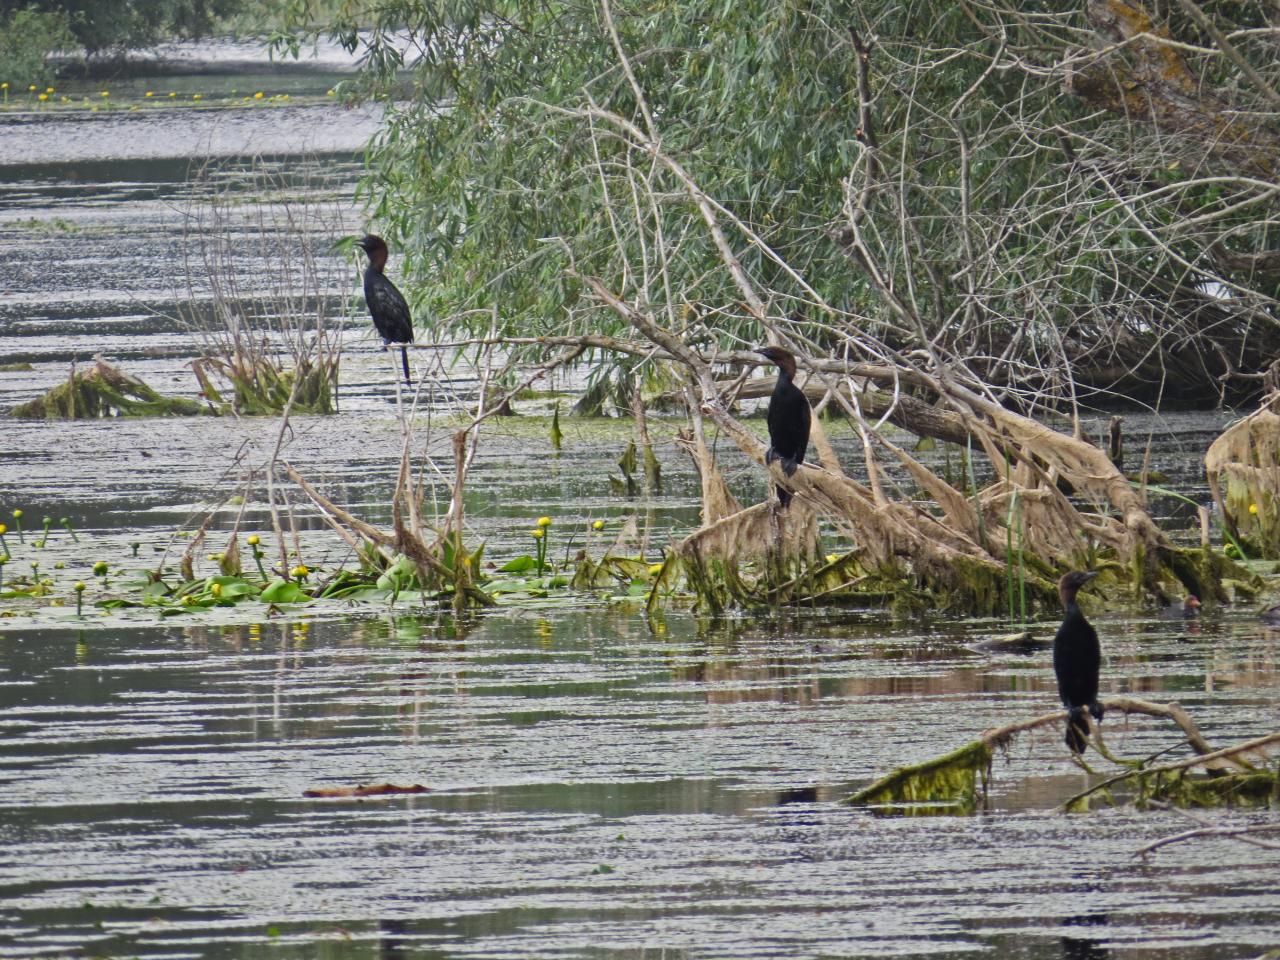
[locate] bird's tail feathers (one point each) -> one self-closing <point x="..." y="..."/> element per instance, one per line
<point x="1077" y="730"/>
<point x="404" y="359"/>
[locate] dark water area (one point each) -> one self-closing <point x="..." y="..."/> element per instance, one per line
<point x="600" y="784"/>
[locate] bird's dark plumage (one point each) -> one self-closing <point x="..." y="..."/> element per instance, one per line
<point x="789" y="417"/>
<point x="1077" y="659"/>
<point x="386" y="304"/>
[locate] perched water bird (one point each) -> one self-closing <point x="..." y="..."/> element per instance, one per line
<point x="789" y="417"/>
<point x="386" y="304"/>
<point x="1077" y="658"/>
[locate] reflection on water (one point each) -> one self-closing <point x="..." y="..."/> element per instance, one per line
<point x="1086" y="944"/>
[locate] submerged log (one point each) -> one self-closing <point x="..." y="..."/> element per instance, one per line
<point x="104" y="391"/>
<point x="959" y="781"/>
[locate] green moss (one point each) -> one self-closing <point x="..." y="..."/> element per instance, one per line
<point x="103" y="391"/>
<point x="948" y="784"/>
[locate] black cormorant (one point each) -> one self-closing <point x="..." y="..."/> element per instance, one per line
<point x="387" y="305"/>
<point x="1077" y="658"/>
<point x="789" y="417"/>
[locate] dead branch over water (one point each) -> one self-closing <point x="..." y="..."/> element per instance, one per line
<point x="959" y="780"/>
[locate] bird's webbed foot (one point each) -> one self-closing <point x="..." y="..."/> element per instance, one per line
<point x="770" y="455"/>
<point x="789" y="466"/>
<point x="1096" y="710"/>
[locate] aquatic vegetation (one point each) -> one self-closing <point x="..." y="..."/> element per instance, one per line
<point x="104" y="391"/>
<point x="1243" y="469"/>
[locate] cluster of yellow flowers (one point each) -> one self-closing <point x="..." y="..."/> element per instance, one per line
<point x="43" y="96"/>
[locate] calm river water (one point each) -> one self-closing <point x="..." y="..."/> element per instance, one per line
<point x="598" y="787"/>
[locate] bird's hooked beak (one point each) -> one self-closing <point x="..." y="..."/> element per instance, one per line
<point x="1090" y="574"/>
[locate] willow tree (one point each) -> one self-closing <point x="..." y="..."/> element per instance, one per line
<point x="1081" y="200"/>
<point x="952" y="211"/>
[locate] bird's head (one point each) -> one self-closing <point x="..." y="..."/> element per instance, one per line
<point x="1192" y="602"/>
<point x="1071" y="583"/>
<point x="374" y="246"/>
<point x="783" y="357"/>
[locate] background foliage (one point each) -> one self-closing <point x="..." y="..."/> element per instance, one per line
<point x="33" y="29"/>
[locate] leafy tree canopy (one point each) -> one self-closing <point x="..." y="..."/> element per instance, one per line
<point x="100" y="25"/>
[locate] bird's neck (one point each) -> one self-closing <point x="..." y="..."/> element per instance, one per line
<point x="377" y="260"/>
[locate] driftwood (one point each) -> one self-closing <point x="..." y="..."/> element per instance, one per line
<point x="958" y="781"/>
<point x="358" y="792"/>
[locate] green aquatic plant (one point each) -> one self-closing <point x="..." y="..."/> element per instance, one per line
<point x="557" y="435"/>
<point x="255" y="542"/>
<point x="65" y="523"/>
<point x="539" y="534"/>
<point x="80" y="588"/>
<point x="627" y="463"/>
<point x="44" y="537"/>
<point x="17" y="522"/>
<point x="101" y="569"/>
